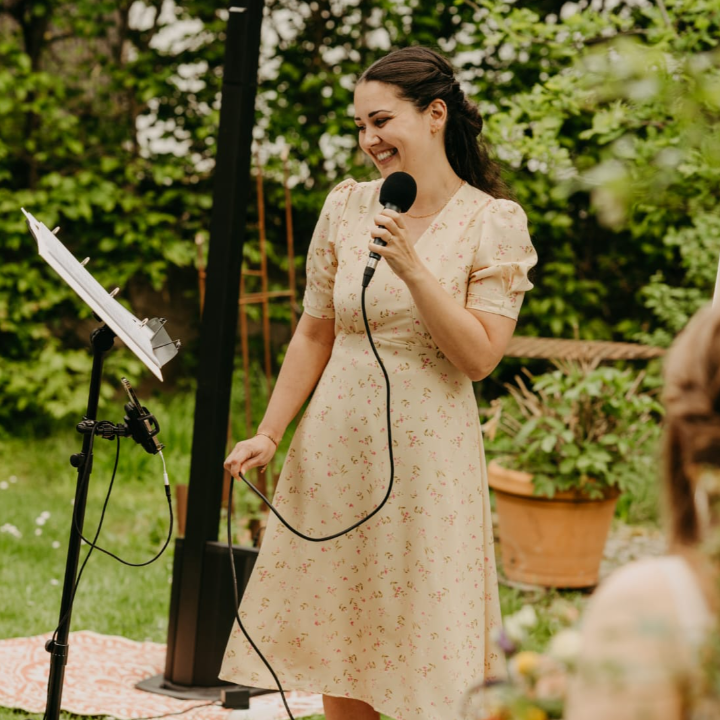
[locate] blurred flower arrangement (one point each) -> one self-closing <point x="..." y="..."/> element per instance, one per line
<point x="536" y="684"/>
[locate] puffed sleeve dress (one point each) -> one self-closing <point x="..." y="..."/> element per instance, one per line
<point x="399" y="613"/>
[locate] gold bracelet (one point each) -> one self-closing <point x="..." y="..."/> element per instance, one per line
<point x="269" y="437"/>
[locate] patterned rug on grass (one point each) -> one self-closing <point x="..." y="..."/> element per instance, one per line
<point x="100" y="680"/>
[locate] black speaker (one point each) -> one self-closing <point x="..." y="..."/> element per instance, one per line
<point x="216" y="612"/>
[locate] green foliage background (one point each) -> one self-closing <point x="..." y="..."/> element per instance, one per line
<point x="604" y="114"/>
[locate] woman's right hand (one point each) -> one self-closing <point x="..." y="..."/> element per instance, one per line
<point x="253" y="452"/>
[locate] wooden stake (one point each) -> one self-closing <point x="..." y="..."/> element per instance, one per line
<point x="290" y="238"/>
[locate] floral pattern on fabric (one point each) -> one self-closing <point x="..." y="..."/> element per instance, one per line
<point x="399" y="612"/>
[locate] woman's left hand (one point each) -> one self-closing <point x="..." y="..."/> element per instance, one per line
<point x="399" y="251"/>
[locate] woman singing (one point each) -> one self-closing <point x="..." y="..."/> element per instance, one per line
<point x="396" y="616"/>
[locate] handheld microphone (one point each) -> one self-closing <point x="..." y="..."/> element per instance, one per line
<point x="397" y="193"/>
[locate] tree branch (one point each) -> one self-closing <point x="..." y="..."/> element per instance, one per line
<point x="664" y="13"/>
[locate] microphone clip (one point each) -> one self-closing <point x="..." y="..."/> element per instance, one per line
<point x="140" y="424"/>
<point x="143" y="426"/>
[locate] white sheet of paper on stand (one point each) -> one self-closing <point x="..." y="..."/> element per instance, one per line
<point x="135" y="334"/>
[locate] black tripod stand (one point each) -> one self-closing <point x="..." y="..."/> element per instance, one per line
<point x="143" y="427"/>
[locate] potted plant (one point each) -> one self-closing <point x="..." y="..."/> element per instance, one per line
<point x="566" y="444"/>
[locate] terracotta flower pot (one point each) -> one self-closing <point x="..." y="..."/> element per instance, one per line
<point x="554" y="542"/>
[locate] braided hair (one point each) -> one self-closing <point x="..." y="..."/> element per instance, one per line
<point x="422" y="75"/>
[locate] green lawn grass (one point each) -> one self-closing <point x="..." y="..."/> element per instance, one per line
<point x="40" y="489"/>
<point x="37" y="487"/>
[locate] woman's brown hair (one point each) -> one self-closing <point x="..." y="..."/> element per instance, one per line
<point x="692" y="428"/>
<point x="422" y="75"/>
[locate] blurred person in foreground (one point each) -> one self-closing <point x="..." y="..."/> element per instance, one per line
<point x="649" y="643"/>
<point x="396" y="616"/>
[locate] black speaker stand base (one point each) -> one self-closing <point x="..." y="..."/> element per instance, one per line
<point x="158" y="684"/>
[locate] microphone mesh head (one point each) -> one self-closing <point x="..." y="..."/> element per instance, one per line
<point x="399" y="189"/>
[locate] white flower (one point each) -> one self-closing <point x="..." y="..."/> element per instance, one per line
<point x="526" y="615"/>
<point x="507" y="52"/>
<point x="669" y="157"/>
<point x="38" y="531"/>
<point x="10" y="530"/>
<point x="13" y="478"/>
<point x="56" y="544"/>
<point x="4" y="485"/>
<point x="516" y="624"/>
<point x="54" y="582"/>
<point x="565" y="646"/>
<point x="568" y="10"/>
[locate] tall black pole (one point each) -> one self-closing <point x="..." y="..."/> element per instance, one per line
<point x="102" y="340"/>
<point x="218" y="329"/>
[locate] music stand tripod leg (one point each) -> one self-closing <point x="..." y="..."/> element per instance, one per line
<point x="102" y="340"/>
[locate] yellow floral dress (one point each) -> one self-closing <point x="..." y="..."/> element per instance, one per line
<point x="398" y="613"/>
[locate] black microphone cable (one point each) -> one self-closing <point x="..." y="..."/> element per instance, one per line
<point x="93" y="543"/>
<point x="83" y="480"/>
<point x="297" y="532"/>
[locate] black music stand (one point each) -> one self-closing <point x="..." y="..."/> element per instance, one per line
<point x="152" y="345"/>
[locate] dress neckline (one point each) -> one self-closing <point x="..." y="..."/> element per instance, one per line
<point x="442" y="212"/>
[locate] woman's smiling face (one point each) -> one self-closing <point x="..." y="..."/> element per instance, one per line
<point x="392" y="131"/>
